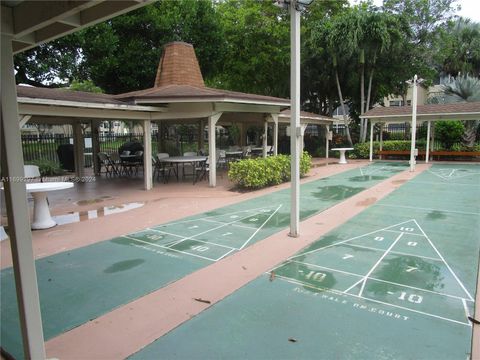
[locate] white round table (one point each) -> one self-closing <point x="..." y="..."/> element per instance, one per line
<point x="41" y="213"/>
<point x="342" y="151"/>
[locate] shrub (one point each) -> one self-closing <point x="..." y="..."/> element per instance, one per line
<point x="47" y="167"/>
<point x="261" y="172"/>
<point x="449" y="132"/>
<point x="362" y="150"/>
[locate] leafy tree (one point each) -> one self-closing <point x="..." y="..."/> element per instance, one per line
<point x="459" y="48"/>
<point x="84" y="85"/>
<point x="52" y="64"/>
<point x="449" y="132"/>
<point x="257" y="48"/>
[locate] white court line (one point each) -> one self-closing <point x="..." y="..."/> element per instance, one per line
<point x="428" y="209"/>
<point x="443" y="183"/>
<point x="372" y="278"/>
<point x="449" y="177"/>
<point x="398" y="232"/>
<point x="261" y="226"/>
<point x="368" y="299"/>
<point x="167" y="248"/>
<point x="395" y="252"/>
<point x="209" y="242"/>
<point x="445" y="262"/>
<point x="236" y="225"/>
<point x="324" y="267"/>
<point x="214" y="216"/>
<point x="212" y="229"/>
<point x="345" y="241"/>
<point x="378" y="262"/>
<point x="465" y="307"/>
<point x="163" y="233"/>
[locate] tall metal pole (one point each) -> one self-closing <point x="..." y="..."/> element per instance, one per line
<point x="414" y="124"/>
<point x="295" y="130"/>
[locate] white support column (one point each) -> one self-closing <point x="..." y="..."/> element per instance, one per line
<point x="432" y="143"/>
<point x="295" y="119"/>
<point x="23" y="120"/>
<point x="414" y="124"/>
<point x="18" y="213"/>
<point x="275" y="134"/>
<point x="303" y="127"/>
<point x="265" y="138"/>
<point x="427" y="149"/>
<point x="78" y="149"/>
<point x="371" y="140"/>
<point x="201" y="140"/>
<point x="212" y="176"/>
<point x="147" y="155"/>
<point x="327" y="139"/>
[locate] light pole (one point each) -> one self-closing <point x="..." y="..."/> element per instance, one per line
<point x="415" y="83"/>
<point x="295" y="7"/>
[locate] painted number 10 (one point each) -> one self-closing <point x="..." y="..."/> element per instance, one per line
<point x="413" y="298"/>
<point x="317" y="276"/>
<point x="199" y="248"/>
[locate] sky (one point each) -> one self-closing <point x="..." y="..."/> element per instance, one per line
<point x="470" y="8"/>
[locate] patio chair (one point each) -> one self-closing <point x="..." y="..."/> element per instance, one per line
<point x="247" y="152"/>
<point x="131" y="165"/>
<point x="161" y="169"/>
<point x="201" y="170"/>
<point x="107" y="164"/>
<point x="190" y="168"/>
<point x="221" y="157"/>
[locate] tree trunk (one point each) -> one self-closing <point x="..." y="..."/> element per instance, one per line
<point x="342" y="103"/>
<point x="362" y="94"/>
<point x="369" y="92"/>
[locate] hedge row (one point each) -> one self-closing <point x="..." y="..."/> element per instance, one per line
<point x="362" y="150"/>
<point x="261" y="172"/>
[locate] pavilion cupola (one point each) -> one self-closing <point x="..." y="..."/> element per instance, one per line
<point x="179" y="66"/>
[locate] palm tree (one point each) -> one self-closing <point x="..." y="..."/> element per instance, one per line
<point x="465" y="89"/>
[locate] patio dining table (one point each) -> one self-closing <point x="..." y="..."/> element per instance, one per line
<point x="177" y="160"/>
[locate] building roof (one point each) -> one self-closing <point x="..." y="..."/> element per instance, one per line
<point x="65" y="95"/>
<point x="308" y="116"/>
<point x="178" y="66"/>
<point x="454" y="111"/>
<point x="189" y="93"/>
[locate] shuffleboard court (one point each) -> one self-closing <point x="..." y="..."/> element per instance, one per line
<point x="82" y="284"/>
<point x="395" y="282"/>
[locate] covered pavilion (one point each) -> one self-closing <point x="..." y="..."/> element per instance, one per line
<point x="179" y="96"/>
<point x="429" y="113"/>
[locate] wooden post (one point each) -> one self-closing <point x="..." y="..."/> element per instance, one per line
<point x="212" y="121"/>
<point x="78" y="149"/>
<point x="94" y="124"/>
<point x="19" y="232"/>
<point x="147" y="155"/>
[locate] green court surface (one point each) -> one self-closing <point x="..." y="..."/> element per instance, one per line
<point x="395" y="282"/>
<point x="82" y="284"/>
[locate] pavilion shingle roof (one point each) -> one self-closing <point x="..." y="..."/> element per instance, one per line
<point x="430" y="109"/>
<point x="179" y="66"/>
<point x="306" y="114"/>
<point x="179" y="92"/>
<point x="65" y="95"/>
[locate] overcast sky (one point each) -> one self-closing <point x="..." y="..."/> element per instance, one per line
<point x="470" y="8"/>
